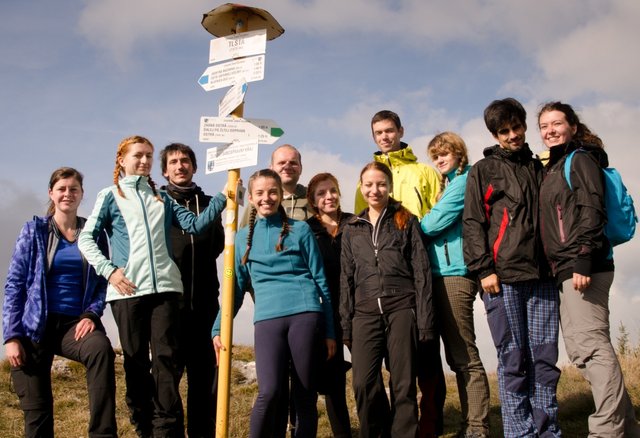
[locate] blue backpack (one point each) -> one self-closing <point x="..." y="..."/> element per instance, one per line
<point x="621" y="214"/>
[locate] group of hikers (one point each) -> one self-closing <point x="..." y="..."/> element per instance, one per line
<point x="525" y="233"/>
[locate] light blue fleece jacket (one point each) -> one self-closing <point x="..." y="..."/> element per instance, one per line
<point x="139" y="227"/>
<point x="285" y="283"/>
<point x="443" y="228"/>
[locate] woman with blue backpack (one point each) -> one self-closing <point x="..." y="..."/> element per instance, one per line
<point x="573" y="217"/>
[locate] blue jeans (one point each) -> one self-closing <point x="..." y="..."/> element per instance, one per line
<point x="524" y="319"/>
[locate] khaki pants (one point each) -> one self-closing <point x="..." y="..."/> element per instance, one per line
<point x="454" y="298"/>
<point x="584" y="318"/>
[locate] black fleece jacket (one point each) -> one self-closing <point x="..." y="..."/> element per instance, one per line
<point x="385" y="269"/>
<point x="196" y="255"/>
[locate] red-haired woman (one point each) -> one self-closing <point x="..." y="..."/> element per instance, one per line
<point x="144" y="282"/>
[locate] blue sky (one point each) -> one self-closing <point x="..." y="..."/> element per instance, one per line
<point x="78" y="76"/>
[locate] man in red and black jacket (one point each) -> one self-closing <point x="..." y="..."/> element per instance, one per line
<point x="502" y="247"/>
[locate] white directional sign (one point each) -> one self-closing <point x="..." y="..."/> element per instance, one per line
<point x="228" y="129"/>
<point x="233" y="98"/>
<point x="227" y="74"/>
<point x="232" y="156"/>
<point x="236" y="45"/>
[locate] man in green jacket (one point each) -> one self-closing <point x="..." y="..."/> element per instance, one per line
<point x="415" y="184"/>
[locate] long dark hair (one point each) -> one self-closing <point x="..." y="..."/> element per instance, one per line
<point x="583" y="133"/>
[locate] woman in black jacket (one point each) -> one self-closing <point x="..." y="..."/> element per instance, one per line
<point x="327" y="224"/>
<point x="573" y="220"/>
<point x="385" y="305"/>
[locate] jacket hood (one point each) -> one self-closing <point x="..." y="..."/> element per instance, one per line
<point x="523" y="154"/>
<point x="404" y="154"/>
<point x="557" y="152"/>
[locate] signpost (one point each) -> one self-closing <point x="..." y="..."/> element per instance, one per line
<point x="228" y="129"/>
<point x="240" y="30"/>
<point x="233" y="98"/>
<point x="232" y="156"/>
<point x="234" y="46"/>
<point x="225" y="75"/>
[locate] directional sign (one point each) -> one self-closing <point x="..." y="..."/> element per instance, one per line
<point x="236" y="45"/>
<point x="227" y="74"/>
<point x="233" y="98"/>
<point x="228" y="129"/>
<point x="232" y="156"/>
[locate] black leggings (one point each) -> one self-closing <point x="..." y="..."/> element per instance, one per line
<point x="277" y="340"/>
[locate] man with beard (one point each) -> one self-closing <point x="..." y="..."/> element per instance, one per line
<point x="196" y="257"/>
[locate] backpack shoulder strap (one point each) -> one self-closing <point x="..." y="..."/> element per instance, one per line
<point x="567" y="168"/>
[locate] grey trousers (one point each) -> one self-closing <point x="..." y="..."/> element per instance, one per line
<point x="584" y="318"/>
<point x="454" y="298"/>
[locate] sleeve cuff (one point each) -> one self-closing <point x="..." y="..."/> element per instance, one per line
<point x="426" y="335"/>
<point x="582" y="266"/>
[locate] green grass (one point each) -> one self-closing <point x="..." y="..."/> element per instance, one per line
<point x="71" y="402"/>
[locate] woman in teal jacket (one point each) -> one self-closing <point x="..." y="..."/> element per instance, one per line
<point x="144" y="282"/>
<point x="454" y="291"/>
<point x="293" y="311"/>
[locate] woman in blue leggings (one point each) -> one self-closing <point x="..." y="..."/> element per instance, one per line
<point x="293" y="310"/>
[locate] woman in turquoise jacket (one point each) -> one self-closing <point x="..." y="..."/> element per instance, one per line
<point x="144" y="282"/>
<point x="293" y="311"/>
<point x="454" y="291"/>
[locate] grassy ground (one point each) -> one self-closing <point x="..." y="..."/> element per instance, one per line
<point x="71" y="402"/>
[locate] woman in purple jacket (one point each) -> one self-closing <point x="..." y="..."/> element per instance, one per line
<point x="53" y="302"/>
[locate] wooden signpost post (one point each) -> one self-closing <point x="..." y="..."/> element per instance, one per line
<point x="241" y="31"/>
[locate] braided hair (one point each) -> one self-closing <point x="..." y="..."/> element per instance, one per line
<point x="266" y="173"/>
<point x="444" y="143"/>
<point x="118" y="171"/>
<point x="252" y="223"/>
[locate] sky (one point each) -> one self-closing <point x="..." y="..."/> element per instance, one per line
<point x="78" y="76"/>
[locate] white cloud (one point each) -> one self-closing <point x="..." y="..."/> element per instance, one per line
<point x="595" y="58"/>
<point x="120" y="27"/>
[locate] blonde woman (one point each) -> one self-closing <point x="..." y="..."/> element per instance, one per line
<point x="454" y="289"/>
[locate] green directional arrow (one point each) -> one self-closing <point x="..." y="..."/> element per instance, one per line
<point x="277" y="132"/>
